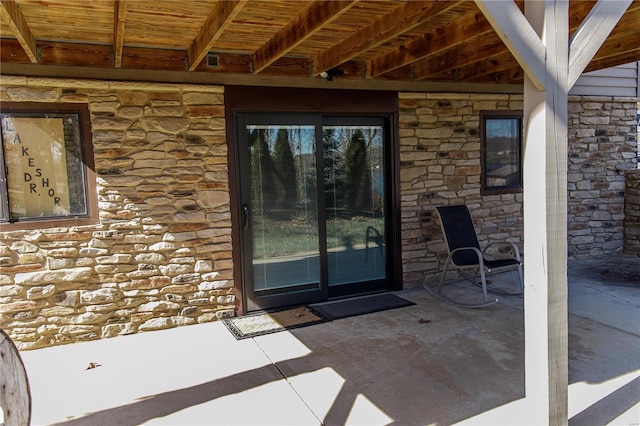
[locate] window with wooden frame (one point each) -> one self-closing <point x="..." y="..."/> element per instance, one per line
<point x="501" y="152"/>
<point x="47" y="177"/>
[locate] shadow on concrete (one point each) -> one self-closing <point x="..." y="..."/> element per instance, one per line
<point x="431" y="363"/>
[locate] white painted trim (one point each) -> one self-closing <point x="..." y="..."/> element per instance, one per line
<point x="518" y="35"/>
<point x="593" y="31"/>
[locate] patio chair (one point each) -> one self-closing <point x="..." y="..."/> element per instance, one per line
<point x="464" y="253"/>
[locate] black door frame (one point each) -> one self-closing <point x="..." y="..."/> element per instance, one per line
<point x="327" y="102"/>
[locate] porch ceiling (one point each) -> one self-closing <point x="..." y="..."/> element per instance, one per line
<point x="373" y="42"/>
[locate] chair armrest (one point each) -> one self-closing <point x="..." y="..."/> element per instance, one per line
<point x="475" y="249"/>
<point x="467" y="248"/>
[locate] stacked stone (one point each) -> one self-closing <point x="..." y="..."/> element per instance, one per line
<point x="440" y="165"/>
<point x="632" y="213"/>
<point x="602" y="145"/>
<point x="161" y="256"/>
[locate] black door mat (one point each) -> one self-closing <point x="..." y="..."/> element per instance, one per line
<point x="360" y="305"/>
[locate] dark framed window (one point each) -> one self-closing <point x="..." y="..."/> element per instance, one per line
<point x="47" y="177"/>
<point x="501" y="151"/>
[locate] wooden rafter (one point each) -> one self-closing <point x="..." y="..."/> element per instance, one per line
<point x="514" y="75"/>
<point x="216" y="23"/>
<point x="490" y="67"/>
<point x="119" y="16"/>
<point x="14" y="19"/>
<point x="625" y="57"/>
<point x="418" y="40"/>
<point x="457" y="57"/>
<point x="622" y="45"/>
<point x="518" y="35"/>
<point x="577" y="13"/>
<point x="404" y="18"/>
<point x="304" y="26"/>
<point x="615" y="52"/>
<point x="433" y="42"/>
<point x="592" y="33"/>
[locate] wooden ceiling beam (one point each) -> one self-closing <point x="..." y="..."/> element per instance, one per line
<point x="313" y="18"/>
<point x="119" y="20"/>
<point x="221" y="16"/>
<point x="404" y="18"/>
<point x="148" y="59"/>
<point x="457" y="57"/>
<point x="591" y="34"/>
<point x="509" y="73"/>
<point x="10" y="12"/>
<point x="519" y="36"/>
<point x="513" y="75"/>
<point x="577" y="13"/>
<point x="488" y="68"/>
<point x="623" y="37"/>
<point x="470" y="26"/>
<point x="616" y="48"/>
<point x="622" y="58"/>
<point x="616" y="51"/>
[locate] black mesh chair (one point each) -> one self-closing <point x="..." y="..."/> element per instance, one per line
<point x="464" y="253"/>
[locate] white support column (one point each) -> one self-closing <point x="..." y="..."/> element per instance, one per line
<point x="539" y="42"/>
<point x="545" y="220"/>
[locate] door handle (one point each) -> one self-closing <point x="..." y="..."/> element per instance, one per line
<point x="245" y="216"/>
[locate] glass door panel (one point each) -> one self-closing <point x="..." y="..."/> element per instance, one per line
<point x="313" y="206"/>
<point x="354" y="203"/>
<point x="282" y="199"/>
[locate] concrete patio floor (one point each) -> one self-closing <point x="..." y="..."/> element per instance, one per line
<point x="431" y="363"/>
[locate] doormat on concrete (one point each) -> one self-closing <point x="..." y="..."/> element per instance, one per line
<point x="360" y="305"/>
<point x="260" y="323"/>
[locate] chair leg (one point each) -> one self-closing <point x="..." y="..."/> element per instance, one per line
<point x="484" y="283"/>
<point x="521" y="275"/>
<point x="444" y="272"/>
<point x="438" y="294"/>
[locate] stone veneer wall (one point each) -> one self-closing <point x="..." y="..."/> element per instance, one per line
<point x="440" y="165"/>
<point x="161" y="255"/>
<point x="632" y="213"/>
<point x="602" y="145"/>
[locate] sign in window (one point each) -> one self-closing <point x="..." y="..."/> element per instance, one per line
<point x="44" y="160"/>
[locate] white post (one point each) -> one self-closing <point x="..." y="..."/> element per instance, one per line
<point x="545" y="220"/>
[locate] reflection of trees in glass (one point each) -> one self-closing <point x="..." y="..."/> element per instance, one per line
<point x="263" y="190"/>
<point x="282" y="164"/>
<point x="357" y="174"/>
<point x="333" y="169"/>
<point x="303" y="143"/>
<point x="75" y="171"/>
<point x="285" y="169"/>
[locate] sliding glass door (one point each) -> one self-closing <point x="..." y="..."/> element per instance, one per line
<point x="313" y="203"/>
<point x="354" y="212"/>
